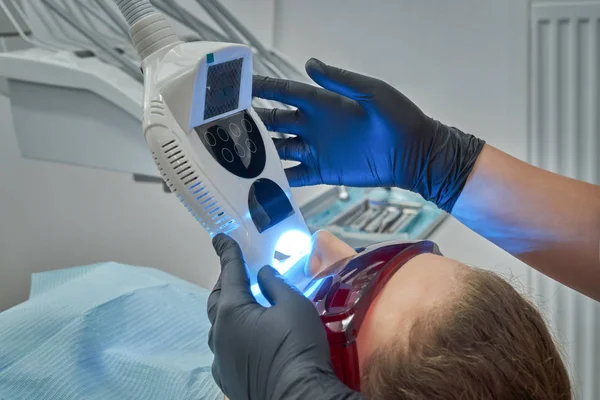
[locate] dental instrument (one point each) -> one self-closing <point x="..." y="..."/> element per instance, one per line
<point x="377" y="199"/>
<point x="406" y="217"/>
<point x="209" y="145"/>
<point x="385" y="217"/>
<point x="390" y="216"/>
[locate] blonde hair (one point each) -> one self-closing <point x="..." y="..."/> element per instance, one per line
<point x="491" y="343"/>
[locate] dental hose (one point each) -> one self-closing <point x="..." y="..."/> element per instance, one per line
<point x="149" y="30"/>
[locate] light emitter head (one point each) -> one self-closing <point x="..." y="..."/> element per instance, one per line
<point x="292" y="245"/>
<point x="290" y="250"/>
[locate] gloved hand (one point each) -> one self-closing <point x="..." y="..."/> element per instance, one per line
<point x="262" y="353"/>
<point x="360" y="131"/>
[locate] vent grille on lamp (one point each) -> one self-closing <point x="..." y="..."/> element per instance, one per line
<point x="156" y="107"/>
<point x="213" y="217"/>
<point x="564" y="138"/>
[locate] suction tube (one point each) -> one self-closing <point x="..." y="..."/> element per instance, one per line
<point x="149" y="30"/>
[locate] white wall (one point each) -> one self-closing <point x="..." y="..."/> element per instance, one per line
<point x="463" y="62"/>
<point x="56" y="216"/>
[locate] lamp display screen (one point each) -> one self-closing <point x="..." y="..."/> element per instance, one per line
<point x="222" y="88"/>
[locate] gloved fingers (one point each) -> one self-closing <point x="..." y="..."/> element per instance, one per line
<point x="349" y="84"/>
<point x="294" y="93"/>
<point x="302" y="175"/>
<point x="235" y="284"/>
<point x="282" y="121"/>
<point x="291" y="149"/>
<point x="275" y="288"/>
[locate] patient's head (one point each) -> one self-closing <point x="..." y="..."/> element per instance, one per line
<point x="441" y="329"/>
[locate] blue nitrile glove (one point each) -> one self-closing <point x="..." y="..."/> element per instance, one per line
<point x="360" y="131"/>
<point x="272" y="353"/>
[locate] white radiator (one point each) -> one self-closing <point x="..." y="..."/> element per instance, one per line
<point x="565" y="138"/>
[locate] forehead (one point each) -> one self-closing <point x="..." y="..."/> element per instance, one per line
<point x="423" y="283"/>
<point x="426" y="279"/>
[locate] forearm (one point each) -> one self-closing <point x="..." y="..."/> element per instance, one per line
<point x="548" y="221"/>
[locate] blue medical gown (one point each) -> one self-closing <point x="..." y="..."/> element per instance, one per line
<point x="107" y="331"/>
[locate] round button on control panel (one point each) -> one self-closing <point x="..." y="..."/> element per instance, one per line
<point x="236" y="144"/>
<point x="223" y="135"/>
<point x="210" y="139"/>
<point x="240" y="150"/>
<point x="235" y="130"/>
<point x="227" y="155"/>
<point x="251" y="145"/>
<point x="247" y="125"/>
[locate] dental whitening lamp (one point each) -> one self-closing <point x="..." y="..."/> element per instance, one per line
<point x="210" y="146"/>
<point x="215" y="154"/>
